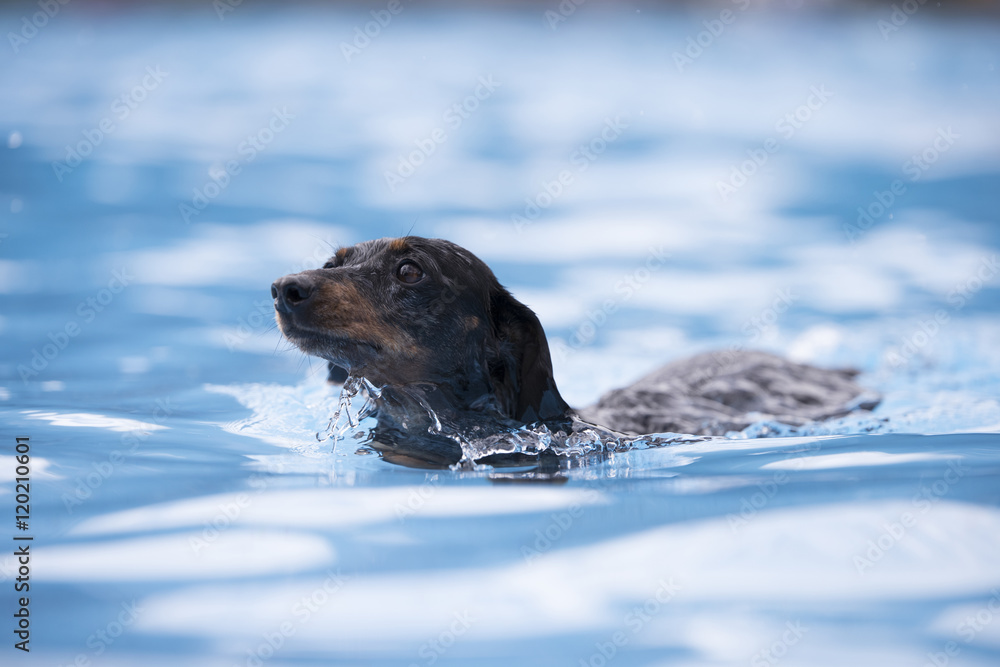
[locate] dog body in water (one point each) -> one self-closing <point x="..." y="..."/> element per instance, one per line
<point x="427" y="322"/>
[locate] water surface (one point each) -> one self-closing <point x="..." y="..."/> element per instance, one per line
<point x="187" y="507"/>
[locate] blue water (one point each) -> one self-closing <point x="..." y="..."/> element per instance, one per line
<point x="186" y="504"/>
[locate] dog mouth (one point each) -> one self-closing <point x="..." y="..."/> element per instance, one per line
<point x="347" y="325"/>
<point x="329" y="345"/>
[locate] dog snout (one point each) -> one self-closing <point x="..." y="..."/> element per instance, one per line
<point x="292" y="292"/>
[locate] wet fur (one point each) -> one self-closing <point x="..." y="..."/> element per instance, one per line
<point x="459" y="343"/>
<point x="458" y="336"/>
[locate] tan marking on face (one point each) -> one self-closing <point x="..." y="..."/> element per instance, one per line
<point x="341" y="308"/>
<point x="341" y="254"/>
<point x="471" y="323"/>
<point x="399" y="245"/>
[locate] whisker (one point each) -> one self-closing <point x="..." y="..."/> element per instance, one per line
<point x="415" y="221"/>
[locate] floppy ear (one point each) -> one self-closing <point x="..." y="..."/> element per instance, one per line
<point x="520" y="365"/>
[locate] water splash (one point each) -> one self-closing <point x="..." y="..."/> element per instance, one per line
<point x="482" y="435"/>
<point x="346" y="417"/>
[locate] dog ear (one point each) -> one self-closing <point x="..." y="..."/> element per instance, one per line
<point x="520" y="366"/>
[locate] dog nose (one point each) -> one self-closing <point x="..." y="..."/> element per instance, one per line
<point x="291" y="292"/>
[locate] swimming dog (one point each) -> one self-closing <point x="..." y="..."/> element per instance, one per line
<point x="428" y="322"/>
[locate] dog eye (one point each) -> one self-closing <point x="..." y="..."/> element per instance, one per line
<point x="409" y="273"/>
<point x="329" y="265"/>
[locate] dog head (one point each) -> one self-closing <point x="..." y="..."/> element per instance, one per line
<point x="412" y="310"/>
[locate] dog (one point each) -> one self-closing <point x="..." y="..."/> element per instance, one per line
<point x="428" y="323"/>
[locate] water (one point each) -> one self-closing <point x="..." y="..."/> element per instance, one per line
<point x="187" y="504"/>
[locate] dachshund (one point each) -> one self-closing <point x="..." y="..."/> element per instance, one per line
<point x="428" y="323"/>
